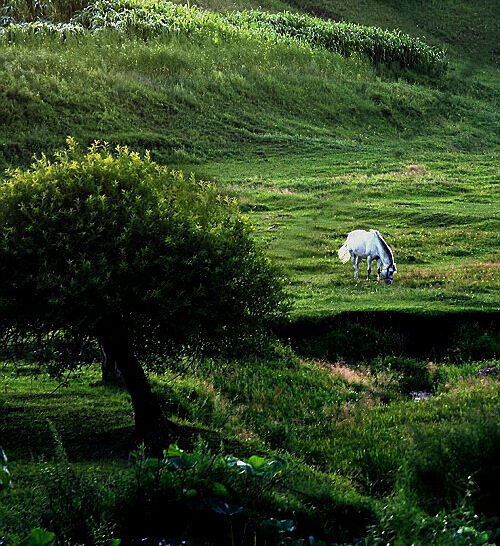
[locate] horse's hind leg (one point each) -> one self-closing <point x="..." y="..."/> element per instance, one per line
<point x="355" y="263"/>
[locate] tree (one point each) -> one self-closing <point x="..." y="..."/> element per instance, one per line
<point x="110" y="245"/>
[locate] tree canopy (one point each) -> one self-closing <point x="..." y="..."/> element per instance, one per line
<point x="96" y="233"/>
<point x="149" y="261"/>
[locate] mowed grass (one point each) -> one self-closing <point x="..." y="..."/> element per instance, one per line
<point x="313" y="145"/>
<point x="92" y="420"/>
<point x="438" y="212"/>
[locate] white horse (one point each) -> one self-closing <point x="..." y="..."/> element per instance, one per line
<point x="370" y="245"/>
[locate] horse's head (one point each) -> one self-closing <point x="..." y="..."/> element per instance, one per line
<point x="387" y="273"/>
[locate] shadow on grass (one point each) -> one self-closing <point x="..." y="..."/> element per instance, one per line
<point x="355" y="336"/>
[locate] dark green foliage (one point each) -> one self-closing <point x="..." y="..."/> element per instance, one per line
<point x="352" y="343"/>
<point x="380" y="46"/>
<point x="474" y="341"/>
<point x="226" y="500"/>
<point x="348" y="452"/>
<point x="193" y="496"/>
<point x="447" y="461"/>
<point x="94" y="235"/>
<point x="411" y="374"/>
<point x="363" y="336"/>
<point x="32" y="10"/>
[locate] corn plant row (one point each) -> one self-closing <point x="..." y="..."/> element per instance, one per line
<point x="381" y="46"/>
<point x="152" y="17"/>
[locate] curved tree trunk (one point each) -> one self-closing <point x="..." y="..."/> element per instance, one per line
<point x="151" y="425"/>
<point x="109" y="369"/>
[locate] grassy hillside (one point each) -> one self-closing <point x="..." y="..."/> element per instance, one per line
<point x="467" y="30"/>
<point x="313" y="144"/>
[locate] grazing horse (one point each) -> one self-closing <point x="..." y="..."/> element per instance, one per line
<point x="370" y="245"/>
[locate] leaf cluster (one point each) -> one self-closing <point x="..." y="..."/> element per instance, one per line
<point x="110" y="233"/>
<point x="204" y="491"/>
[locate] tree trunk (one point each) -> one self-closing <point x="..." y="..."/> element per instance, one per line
<point x="151" y="425"/>
<point x="109" y="369"/>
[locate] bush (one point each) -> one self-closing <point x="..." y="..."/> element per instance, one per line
<point x="401" y="521"/>
<point x="448" y="461"/>
<point x="410" y="374"/>
<point x="102" y="234"/>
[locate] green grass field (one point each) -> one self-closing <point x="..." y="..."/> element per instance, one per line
<point x="313" y="145"/>
<point x="443" y="231"/>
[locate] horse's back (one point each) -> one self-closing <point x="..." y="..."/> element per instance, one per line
<point x="360" y="241"/>
<point x="360" y="234"/>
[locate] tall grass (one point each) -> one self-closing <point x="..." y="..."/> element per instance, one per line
<point x="32" y="10"/>
<point x="380" y="46"/>
<point x="149" y="17"/>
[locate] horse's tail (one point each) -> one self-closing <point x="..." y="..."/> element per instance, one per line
<point x="344" y="254"/>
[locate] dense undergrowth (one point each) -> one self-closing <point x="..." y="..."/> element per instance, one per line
<point x="281" y="449"/>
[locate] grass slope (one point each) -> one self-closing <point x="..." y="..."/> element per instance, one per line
<point x="442" y="229"/>
<point x="314" y="145"/>
<point x="452" y="24"/>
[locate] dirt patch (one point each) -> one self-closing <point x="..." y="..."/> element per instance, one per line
<point x="344" y="372"/>
<point x="416" y="169"/>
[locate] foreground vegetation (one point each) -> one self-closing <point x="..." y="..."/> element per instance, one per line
<point x="353" y="454"/>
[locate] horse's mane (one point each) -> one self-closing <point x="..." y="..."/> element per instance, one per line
<point x="385" y="246"/>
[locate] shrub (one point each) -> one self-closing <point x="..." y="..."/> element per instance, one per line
<point x="450" y="460"/>
<point x="147" y="260"/>
<point x="410" y="374"/>
<point x="101" y="233"/>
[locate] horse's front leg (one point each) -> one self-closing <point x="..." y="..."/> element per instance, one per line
<point x="379" y="268"/>
<point x="368" y="267"/>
